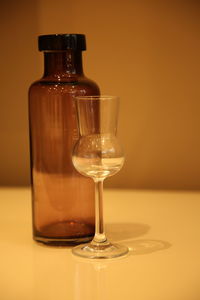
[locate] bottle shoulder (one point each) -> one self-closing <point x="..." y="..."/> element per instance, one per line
<point x="87" y="82"/>
<point x="80" y="83"/>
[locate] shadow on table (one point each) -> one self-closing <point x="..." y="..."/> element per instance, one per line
<point x="123" y="231"/>
<point x="146" y="246"/>
<point x="127" y="234"/>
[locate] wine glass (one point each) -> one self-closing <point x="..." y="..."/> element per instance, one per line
<point x="98" y="154"/>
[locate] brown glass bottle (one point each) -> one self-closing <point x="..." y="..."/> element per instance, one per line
<point x="62" y="199"/>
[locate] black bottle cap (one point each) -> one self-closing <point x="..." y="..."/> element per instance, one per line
<point x="62" y="42"/>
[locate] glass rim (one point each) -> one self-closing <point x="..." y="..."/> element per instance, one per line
<point x="96" y="97"/>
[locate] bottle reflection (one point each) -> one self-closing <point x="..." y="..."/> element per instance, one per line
<point x="58" y="275"/>
<point x="52" y="273"/>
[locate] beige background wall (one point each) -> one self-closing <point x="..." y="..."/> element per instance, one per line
<point x="147" y="52"/>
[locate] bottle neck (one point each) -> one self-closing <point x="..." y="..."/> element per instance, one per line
<point x="63" y="63"/>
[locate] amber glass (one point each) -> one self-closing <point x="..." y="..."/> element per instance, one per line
<point x="62" y="199"/>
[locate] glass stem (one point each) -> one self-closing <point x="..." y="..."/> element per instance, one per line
<point x="99" y="224"/>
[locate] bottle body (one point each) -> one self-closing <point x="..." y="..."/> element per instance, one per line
<point x="62" y="199"/>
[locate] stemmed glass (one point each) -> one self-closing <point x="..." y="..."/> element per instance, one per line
<point x="98" y="154"/>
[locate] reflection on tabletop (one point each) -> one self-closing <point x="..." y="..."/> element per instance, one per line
<point x="61" y="275"/>
<point x="91" y="278"/>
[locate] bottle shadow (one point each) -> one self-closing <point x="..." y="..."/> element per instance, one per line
<point x="127" y="234"/>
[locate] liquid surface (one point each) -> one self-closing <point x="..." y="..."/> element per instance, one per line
<point x="98" y="167"/>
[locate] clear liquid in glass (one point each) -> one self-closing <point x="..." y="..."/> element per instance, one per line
<point x="98" y="156"/>
<point x="98" y="167"/>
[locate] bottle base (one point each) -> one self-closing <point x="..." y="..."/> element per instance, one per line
<point x="67" y="233"/>
<point x="58" y="242"/>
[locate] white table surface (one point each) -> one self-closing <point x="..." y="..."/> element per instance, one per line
<point x="162" y="230"/>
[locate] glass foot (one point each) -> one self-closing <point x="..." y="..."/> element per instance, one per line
<point x="100" y="250"/>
